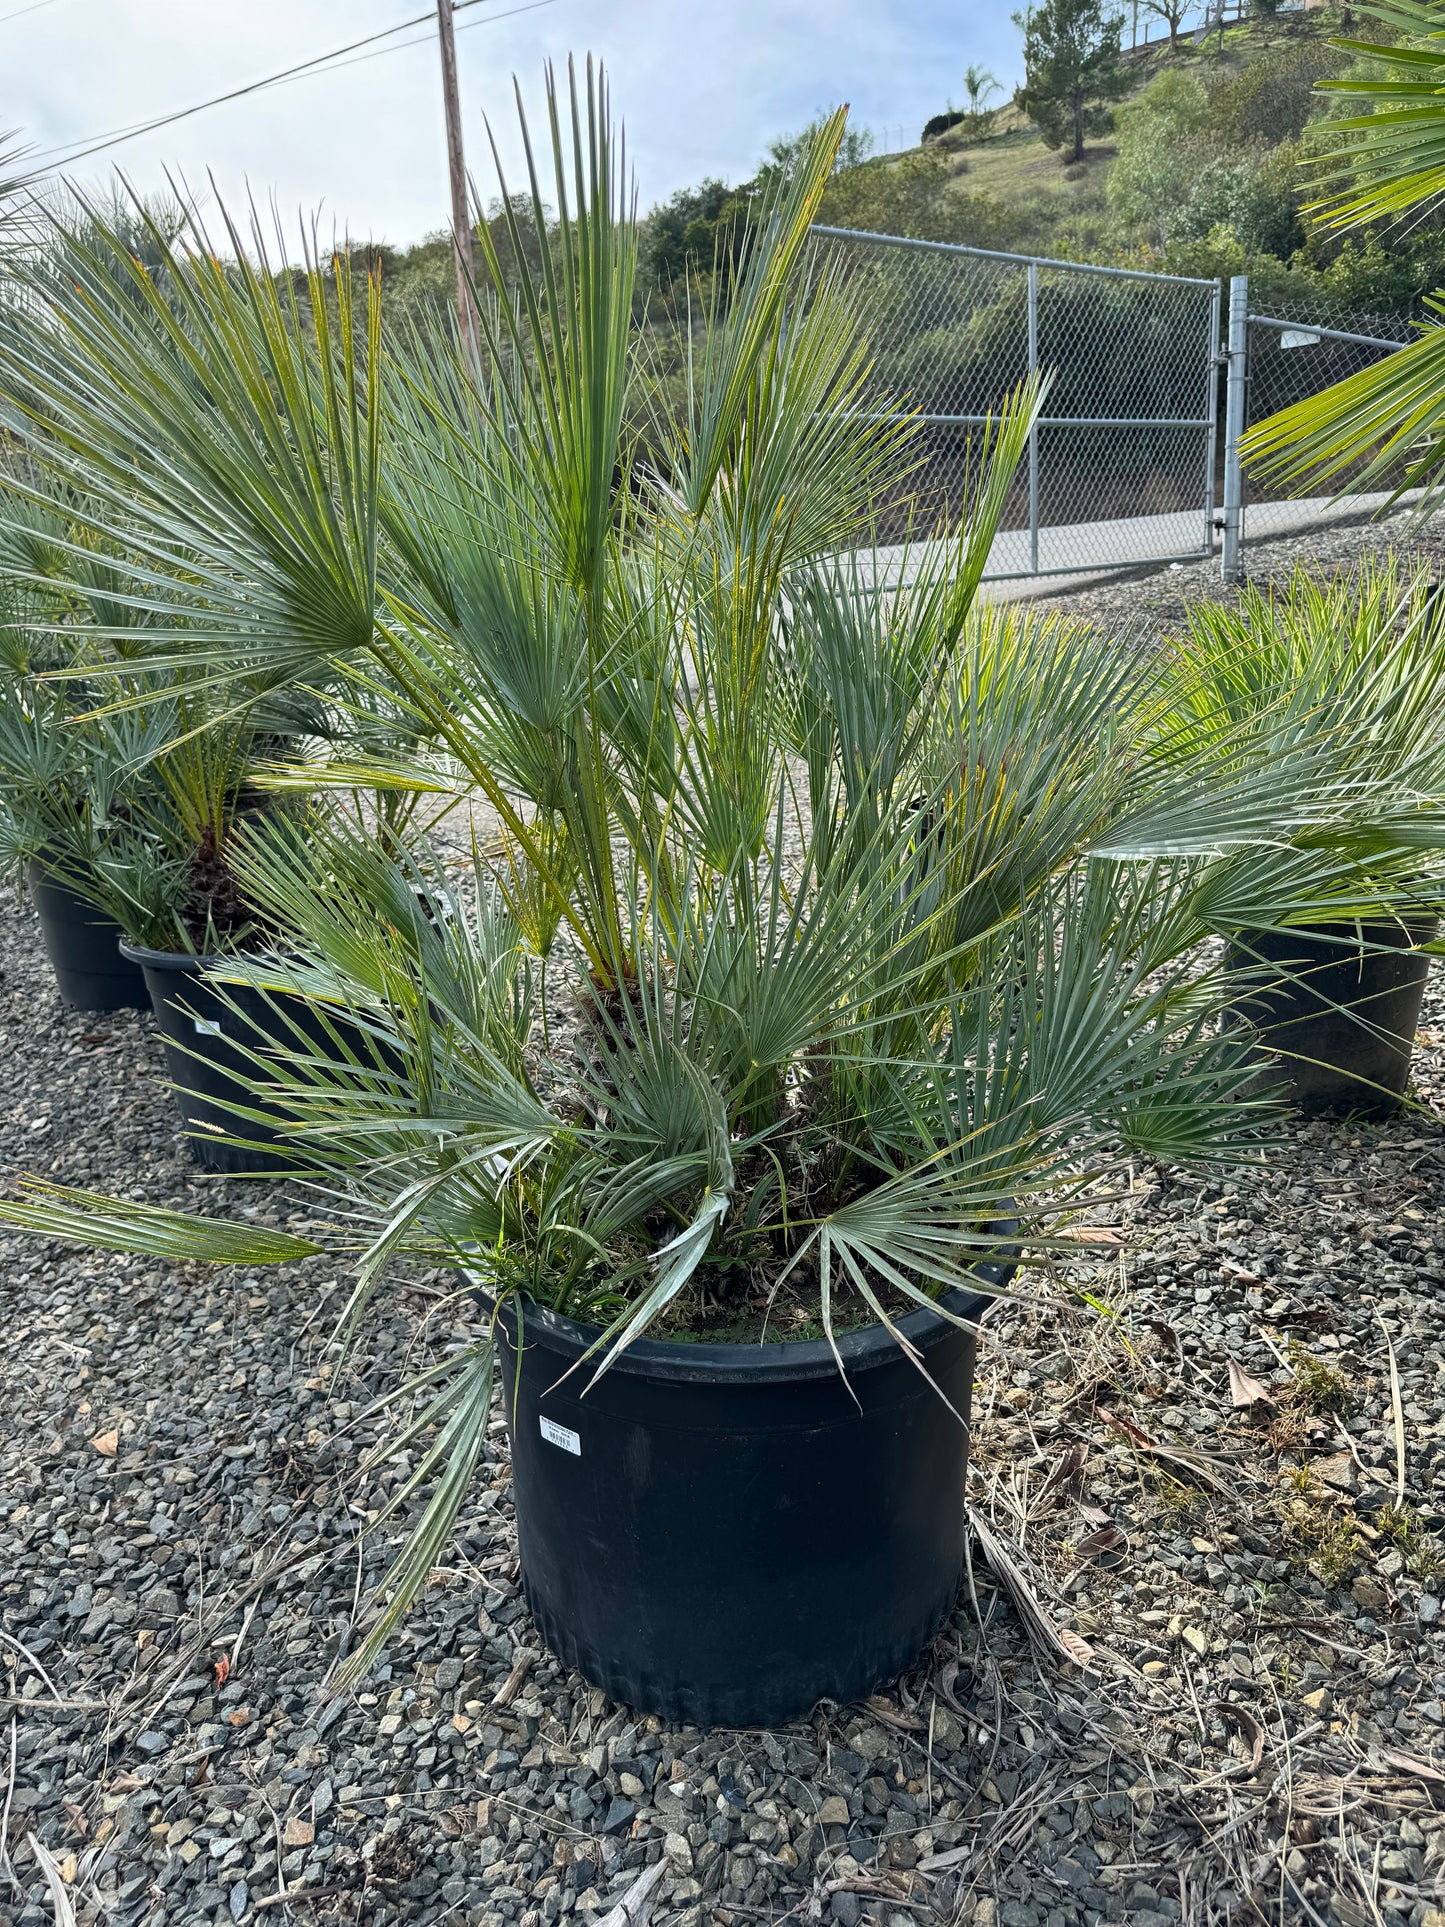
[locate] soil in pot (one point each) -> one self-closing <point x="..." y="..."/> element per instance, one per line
<point x="1337" y="1005"/>
<point x="206" y="1030"/>
<point x="720" y="1534"/>
<point x="83" y="946"/>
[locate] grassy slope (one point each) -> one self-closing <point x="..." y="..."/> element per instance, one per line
<point x="1050" y="206"/>
<point x="1014" y="165"/>
<point x="1043" y="198"/>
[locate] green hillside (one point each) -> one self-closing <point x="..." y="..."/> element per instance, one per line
<point x="1202" y="174"/>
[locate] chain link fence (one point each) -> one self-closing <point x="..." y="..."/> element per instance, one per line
<point x="1133" y="461"/>
<point x="1121" y="469"/>
<point x="1296" y="351"/>
<point x="1274" y="361"/>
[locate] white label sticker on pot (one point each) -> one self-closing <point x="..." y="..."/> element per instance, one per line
<point x="206" y="1027"/>
<point x="556" y="1434"/>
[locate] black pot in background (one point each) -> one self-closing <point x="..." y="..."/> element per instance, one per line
<point x="83" y="946"/>
<point x="718" y="1533"/>
<point x="205" y="1031"/>
<point x="1341" y="1013"/>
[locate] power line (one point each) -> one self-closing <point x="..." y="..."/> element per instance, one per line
<point x="92" y="143"/>
<point x="34" y="7"/>
<point x="66" y="154"/>
<point x="424" y="39"/>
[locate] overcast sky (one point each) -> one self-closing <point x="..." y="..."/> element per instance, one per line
<point x="702" y="86"/>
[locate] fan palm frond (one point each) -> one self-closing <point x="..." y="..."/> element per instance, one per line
<point x="231" y="428"/>
<point x="101" y="1223"/>
<point x="1384" y="424"/>
<point x="1392" y="158"/>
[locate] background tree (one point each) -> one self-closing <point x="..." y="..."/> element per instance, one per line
<point x="979" y="84"/>
<point x="854" y="149"/>
<point x="1172" y="13"/>
<point x="691" y="230"/>
<point x="1073" y="71"/>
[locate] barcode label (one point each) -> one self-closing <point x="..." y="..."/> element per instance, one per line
<point x="206" y="1027"/>
<point x="556" y="1434"/>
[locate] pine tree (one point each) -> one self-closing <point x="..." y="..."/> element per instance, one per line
<point x="1073" y="68"/>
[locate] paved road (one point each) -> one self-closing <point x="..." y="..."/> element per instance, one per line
<point x="1078" y="553"/>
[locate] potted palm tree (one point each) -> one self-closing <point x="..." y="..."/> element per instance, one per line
<point x="119" y="791"/>
<point x="65" y="775"/>
<point x="1349" y="672"/>
<point x="162" y="759"/>
<point x="226" y="999"/>
<point x="119" y="821"/>
<point x="1380" y="426"/>
<point x="48" y="780"/>
<point x="786" y="1007"/>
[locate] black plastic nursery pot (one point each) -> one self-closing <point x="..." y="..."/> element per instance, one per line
<point x="83" y="946"/>
<point x="1342" y="1011"/>
<point x="718" y="1533"/>
<point x="206" y="1031"/>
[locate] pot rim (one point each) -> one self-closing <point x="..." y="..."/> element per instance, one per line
<point x="39" y="877"/>
<point x="679" y="1362"/>
<point x="184" y="962"/>
<point x="1418" y="926"/>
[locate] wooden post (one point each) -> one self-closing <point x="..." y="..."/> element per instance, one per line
<point x="457" y="169"/>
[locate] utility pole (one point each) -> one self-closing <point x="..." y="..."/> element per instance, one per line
<point x="457" y="168"/>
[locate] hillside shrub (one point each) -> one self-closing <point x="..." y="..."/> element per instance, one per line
<point x="1384" y="274"/>
<point x="1250" y="198"/>
<point x="915" y="195"/>
<point x="940" y="123"/>
<point x="1273" y="98"/>
<point x="1163" y="138"/>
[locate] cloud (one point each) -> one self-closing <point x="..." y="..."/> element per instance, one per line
<point x="702" y="88"/>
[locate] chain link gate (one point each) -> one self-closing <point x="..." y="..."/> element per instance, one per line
<point x="1120" y="469"/>
<point x="1274" y="361"/>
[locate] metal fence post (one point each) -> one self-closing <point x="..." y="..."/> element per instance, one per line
<point x="1211" y="411"/>
<point x="1234" y="424"/>
<point x="1034" y="431"/>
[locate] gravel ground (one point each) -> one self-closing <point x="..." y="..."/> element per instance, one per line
<point x="1197" y="1674"/>
<point x="1156" y="599"/>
